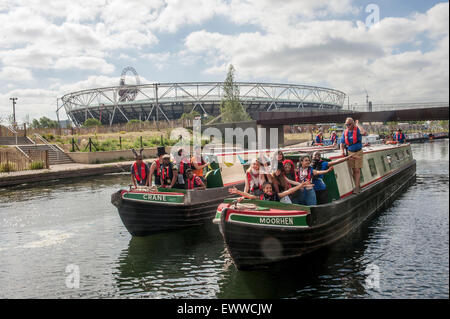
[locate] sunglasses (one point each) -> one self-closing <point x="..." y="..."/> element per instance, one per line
<point x="346" y="124"/>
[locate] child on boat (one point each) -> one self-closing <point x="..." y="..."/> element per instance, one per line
<point x="268" y="193"/>
<point x="193" y="181"/>
<point x="306" y="174"/>
<point x="254" y="178"/>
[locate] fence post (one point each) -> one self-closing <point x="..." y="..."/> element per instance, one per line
<point x="120" y="141"/>
<point x="141" y="141"/>
<point x="90" y="145"/>
<point x="73" y="144"/>
<point x="47" y="164"/>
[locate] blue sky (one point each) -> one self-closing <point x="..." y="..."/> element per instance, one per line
<point x="51" y="48"/>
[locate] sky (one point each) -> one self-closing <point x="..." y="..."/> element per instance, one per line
<point x="397" y="51"/>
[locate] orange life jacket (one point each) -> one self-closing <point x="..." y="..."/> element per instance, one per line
<point x="355" y="136"/>
<point x="136" y="172"/>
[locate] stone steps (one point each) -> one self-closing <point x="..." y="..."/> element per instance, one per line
<point x="55" y="157"/>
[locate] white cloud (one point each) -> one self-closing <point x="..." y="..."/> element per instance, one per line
<point x="160" y="60"/>
<point x="13" y="74"/>
<point x="298" y="41"/>
<point x="340" y="54"/>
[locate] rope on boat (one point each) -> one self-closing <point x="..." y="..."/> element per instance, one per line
<point x="147" y="188"/>
<point x="240" y="206"/>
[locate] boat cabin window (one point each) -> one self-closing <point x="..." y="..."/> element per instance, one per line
<point x="397" y="156"/>
<point x="383" y="163"/>
<point x="389" y="159"/>
<point x="372" y="166"/>
<point x="362" y="175"/>
<point x="407" y="152"/>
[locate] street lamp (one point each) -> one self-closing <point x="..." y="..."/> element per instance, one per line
<point x="13" y="99"/>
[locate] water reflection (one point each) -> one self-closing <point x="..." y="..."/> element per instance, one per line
<point x="49" y="190"/>
<point x="183" y="264"/>
<point x="334" y="272"/>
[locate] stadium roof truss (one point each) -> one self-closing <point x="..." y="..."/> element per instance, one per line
<point x="170" y="100"/>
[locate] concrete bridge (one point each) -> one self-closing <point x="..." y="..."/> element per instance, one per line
<point x="268" y="119"/>
<point x="269" y="125"/>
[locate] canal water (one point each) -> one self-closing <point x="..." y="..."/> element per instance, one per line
<point x="50" y="233"/>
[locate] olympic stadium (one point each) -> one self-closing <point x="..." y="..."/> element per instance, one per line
<point x="168" y="101"/>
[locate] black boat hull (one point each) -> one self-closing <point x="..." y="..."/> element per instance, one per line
<point x="253" y="246"/>
<point x="143" y="219"/>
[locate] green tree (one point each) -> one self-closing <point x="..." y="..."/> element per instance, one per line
<point x="44" y="122"/>
<point x="190" y="116"/>
<point x="231" y="108"/>
<point x="92" y="122"/>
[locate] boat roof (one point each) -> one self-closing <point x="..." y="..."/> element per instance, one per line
<point x="326" y="151"/>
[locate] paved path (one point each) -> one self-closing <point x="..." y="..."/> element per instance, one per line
<point x="63" y="171"/>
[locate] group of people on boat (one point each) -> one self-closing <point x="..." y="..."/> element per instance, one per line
<point x="319" y="139"/>
<point x="182" y="173"/>
<point x="303" y="185"/>
<point x="283" y="182"/>
<point x="277" y="179"/>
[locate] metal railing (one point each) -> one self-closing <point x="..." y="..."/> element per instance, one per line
<point x="52" y="147"/>
<point x="12" y="130"/>
<point x="397" y="106"/>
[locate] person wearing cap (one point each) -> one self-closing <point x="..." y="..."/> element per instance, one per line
<point x="139" y="172"/>
<point x="169" y="172"/>
<point x="155" y="168"/>
<point x="352" y="139"/>
<point x="193" y="181"/>
<point x="399" y="136"/>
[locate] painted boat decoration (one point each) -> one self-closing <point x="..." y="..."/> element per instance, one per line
<point x="258" y="233"/>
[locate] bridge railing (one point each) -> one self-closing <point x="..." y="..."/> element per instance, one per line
<point x="397" y="106"/>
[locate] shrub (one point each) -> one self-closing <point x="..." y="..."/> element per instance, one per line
<point x="92" y="122"/>
<point x="49" y="137"/>
<point x="6" y="167"/>
<point x="37" y="165"/>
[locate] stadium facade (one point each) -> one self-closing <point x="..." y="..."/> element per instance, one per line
<point x="168" y="101"/>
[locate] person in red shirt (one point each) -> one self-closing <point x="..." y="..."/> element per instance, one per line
<point x="193" y="181"/>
